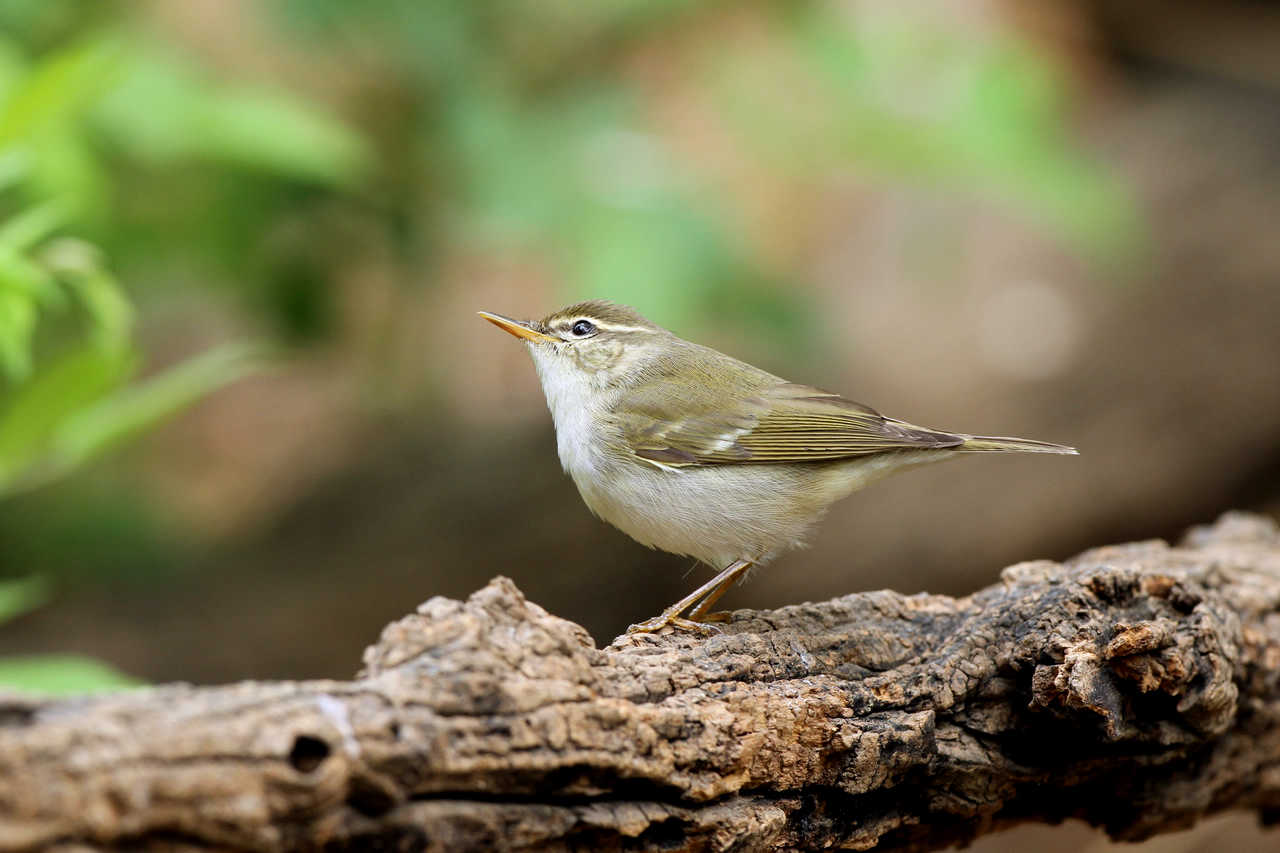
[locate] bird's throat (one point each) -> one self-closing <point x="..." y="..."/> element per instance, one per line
<point x="576" y="408"/>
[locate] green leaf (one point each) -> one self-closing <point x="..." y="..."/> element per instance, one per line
<point x="68" y="415"/>
<point x="80" y="265"/>
<point x="279" y="135"/>
<point x="17" y="324"/>
<point x="20" y="275"/>
<point x="123" y="415"/>
<point x="57" y="88"/>
<point x="14" y="167"/>
<point x="61" y="674"/>
<point x="23" y="230"/>
<point x="34" y="411"/>
<point x="164" y="111"/>
<point x="66" y="167"/>
<point x="22" y="595"/>
<point x="150" y="113"/>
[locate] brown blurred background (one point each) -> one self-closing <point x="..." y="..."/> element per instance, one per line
<point x="1055" y="220"/>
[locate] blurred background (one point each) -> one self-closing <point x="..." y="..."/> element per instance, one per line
<point x="248" y="414"/>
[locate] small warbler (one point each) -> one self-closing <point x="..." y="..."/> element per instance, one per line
<point x="691" y="451"/>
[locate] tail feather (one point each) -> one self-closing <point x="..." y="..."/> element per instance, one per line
<point x="1019" y="445"/>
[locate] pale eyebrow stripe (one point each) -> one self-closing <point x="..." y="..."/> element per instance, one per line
<point x="610" y="327"/>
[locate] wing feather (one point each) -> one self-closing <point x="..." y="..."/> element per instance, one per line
<point x="783" y="423"/>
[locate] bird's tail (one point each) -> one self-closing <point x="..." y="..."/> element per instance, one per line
<point x="1017" y="445"/>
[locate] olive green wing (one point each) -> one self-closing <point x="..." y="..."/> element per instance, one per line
<point x="783" y="423"/>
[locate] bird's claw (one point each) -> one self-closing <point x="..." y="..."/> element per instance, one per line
<point x="657" y="623"/>
<point x="717" y="616"/>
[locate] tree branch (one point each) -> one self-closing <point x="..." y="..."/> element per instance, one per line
<point x="1136" y="687"/>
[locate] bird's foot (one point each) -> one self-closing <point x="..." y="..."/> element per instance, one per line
<point x="667" y="619"/>
<point x="718" y="616"/>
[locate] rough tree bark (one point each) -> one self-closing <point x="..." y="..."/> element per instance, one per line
<point x="1136" y="687"/>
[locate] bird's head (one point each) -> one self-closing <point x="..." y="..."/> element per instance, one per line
<point x="596" y="343"/>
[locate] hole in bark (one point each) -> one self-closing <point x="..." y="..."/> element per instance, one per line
<point x="369" y="798"/>
<point x="668" y="834"/>
<point x="16" y="715"/>
<point x="308" y="753"/>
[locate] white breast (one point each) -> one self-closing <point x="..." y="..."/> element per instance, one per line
<point x="574" y="404"/>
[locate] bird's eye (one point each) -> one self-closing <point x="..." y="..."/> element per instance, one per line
<point x="582" y="328"/>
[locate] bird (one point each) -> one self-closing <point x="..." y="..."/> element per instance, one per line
<point x="690" y="451"/>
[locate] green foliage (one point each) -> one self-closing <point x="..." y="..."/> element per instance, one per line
<point x="37" y="275"/>
<point x="39" y="410"/>
<point x="61" y="674"/>
<point x="82" y="405"/>
<point x="528" y="139"/>
<point x="899" y="97"/>
<point x="123" y="415"/>
<point x="532" y="137"/>
<point x="72" y="111"/>
<point x="22" y="595"/>
<point x="578" y="176"/>
<point x="164" y="111"/>
<point x="213" y="166"/>
<point x="67" y="407"/>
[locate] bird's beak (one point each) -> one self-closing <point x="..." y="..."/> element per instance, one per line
<point x="517" y="327"/>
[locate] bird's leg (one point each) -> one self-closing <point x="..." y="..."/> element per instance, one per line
<point x="700" y="600"/>
<point x="699" y="613"/>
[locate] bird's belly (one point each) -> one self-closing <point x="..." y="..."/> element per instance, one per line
<point x="715" y="514"/>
